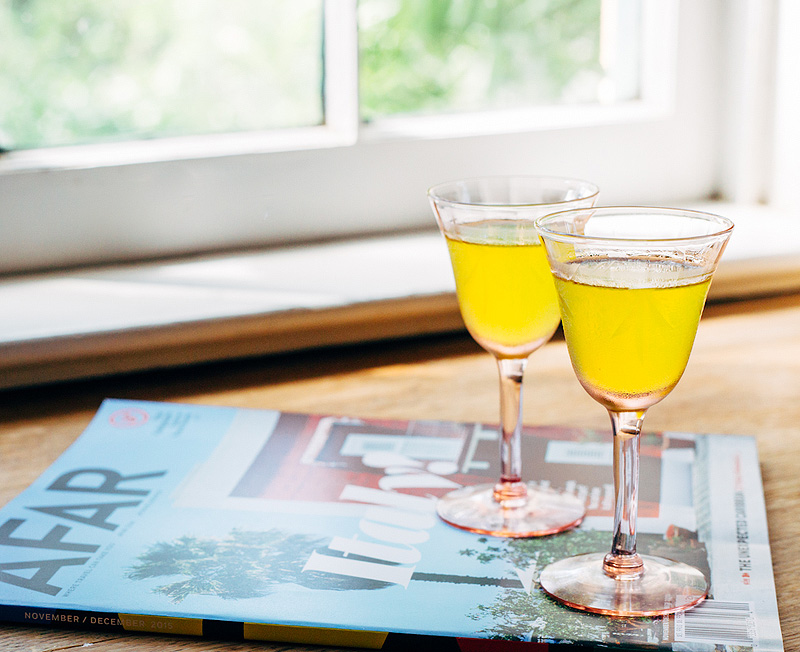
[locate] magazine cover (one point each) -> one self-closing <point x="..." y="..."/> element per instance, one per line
<point x="255" y="524"/>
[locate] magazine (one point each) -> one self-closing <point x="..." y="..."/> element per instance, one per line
<point x="255" y="524"/>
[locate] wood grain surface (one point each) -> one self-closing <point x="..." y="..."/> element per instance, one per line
<point x="743" y="378"/>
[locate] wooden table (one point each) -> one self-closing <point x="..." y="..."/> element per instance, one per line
<point x="743" y="378"/>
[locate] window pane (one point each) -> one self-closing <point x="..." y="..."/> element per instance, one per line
<point x="418" y="56"/>
<point x="82" y="71"/>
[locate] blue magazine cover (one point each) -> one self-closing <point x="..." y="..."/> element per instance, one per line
<point x="256" y="524"/>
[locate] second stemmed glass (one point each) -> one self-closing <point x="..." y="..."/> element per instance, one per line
<point x="632" y="283"/>
<point x="508" y="302"/>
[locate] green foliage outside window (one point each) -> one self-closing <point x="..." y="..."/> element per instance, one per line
<point x="78" y="71"/>
<point x="84" y="71"/>
<point x="419" y="56"/>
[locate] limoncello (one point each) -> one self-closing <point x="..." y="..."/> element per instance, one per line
<point x="504" y="286"/>
<point x="630" y="325"/>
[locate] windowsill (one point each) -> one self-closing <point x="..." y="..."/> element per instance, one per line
<point x="106" y="320"/>
<point x="100" y="321"/>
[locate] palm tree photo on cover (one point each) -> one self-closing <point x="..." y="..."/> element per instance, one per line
<point x="252" y="564"/>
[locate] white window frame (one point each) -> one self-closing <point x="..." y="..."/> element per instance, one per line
<point x="131" y="201"/>
<point x="784" y="162"/>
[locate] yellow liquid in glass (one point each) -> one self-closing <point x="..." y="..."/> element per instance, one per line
<point x="630" y="326"/>
<point x="504" y="285"/>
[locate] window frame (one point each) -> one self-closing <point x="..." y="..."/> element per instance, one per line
<point x="143" y="200"/>
<point x="784" y="136"/>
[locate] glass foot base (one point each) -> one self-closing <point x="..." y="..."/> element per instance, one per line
<point x="543" y="512"/>
<point x="664" y="587"/>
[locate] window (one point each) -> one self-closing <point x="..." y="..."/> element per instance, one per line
<point x="144" y="69"/>
<point x="656" y="101"/>
<point x="642" y="116"/>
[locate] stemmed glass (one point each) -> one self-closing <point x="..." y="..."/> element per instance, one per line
<point x="508" y="302"/>
<point x="631" y="284"/>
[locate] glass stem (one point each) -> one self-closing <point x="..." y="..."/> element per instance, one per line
<point x="511" y="491"/>
<point x="623" y="563"/>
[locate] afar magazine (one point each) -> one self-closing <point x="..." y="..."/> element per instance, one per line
<point x="240" y="524"/>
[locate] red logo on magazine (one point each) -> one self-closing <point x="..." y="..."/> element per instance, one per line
<point x="128" y="418"/>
